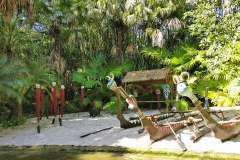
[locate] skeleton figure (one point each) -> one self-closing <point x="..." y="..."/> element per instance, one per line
<point x="195" y="124"/>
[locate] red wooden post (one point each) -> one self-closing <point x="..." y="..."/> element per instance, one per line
<point x="82" y="97"/>
<point x="42" y="100"/>
<point x="62" y="96"/>
<point x="42" y="94"/>
<point x="54" y="98"/>
<point x="51" y="102"/>
<point x="38" y="91"/>
<point x="158" y="98"/>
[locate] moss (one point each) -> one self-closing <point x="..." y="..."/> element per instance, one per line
<point x="120" y="150"/>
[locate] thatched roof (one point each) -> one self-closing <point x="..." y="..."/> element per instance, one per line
<point x="157" y="75"/>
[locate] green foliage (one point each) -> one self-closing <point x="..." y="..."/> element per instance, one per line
<point x="218" y="36"/>
<point x="12" y="36"/>
<point x="39" y="72"/>
<point x="93" y="78"/>
<point x="9" y="77"/>
<point x="159" y="58"/>
<point x="23" y="66"/>
<point x="4" y="111"/>
<point x="229" y="95"/>
<point x="218" y="61"/>
<point x="183" y="105"/>
<point x="71" y="107"/>
<point x="212" y="29"/>
<point x="111" y="106"/>
<point x="160" y="54"/>
<point x="185" y="57"/>
<point x="13" y="122"/>
<point x="210" y="53"/>
<point x="221" y="91"/>
<point x="222" y="99"/>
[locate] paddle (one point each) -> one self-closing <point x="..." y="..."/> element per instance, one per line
<point x="206" y="103"/>
<point x="95" y="132"/>
<point x="180" y="143"/>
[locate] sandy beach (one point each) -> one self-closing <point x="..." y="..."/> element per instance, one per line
<point x="76" y="125"/>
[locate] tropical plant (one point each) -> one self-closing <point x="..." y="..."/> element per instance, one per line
<point x="10" y="78"/>
<point x="5" y="123"/>
<point x="13" y="37"/>
<point x="39" y="72"/>
<point x="156" y="24"/>
<point x="216" y="29"/>
<point x="111" y="105"/>
<point x="93" y="77"/>
<point x="185" y="57"/>
<point x="10" y="8"/>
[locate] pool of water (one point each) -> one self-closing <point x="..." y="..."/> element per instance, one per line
<point x="102" y="153"/>
<point x="69" y="155"/>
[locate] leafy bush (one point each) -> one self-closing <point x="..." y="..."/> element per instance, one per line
<point x="13" y="122"/>
<point x="112" y="106"/>
<point x="93" y="78"/>
<point x="70" y="107"/>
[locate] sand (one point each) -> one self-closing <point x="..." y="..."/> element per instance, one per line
<point x="76" y="125"/>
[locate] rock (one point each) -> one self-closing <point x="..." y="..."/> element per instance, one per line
<point x="94" y="112"/>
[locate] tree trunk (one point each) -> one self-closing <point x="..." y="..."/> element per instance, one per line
<point x="57" y="38"/>
<point x="119" y="44"/>
<point x="19" y="108"/>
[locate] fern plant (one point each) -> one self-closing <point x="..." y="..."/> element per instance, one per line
<point x="111" y="105"/>
<point x="93" y="77"/>
<point x="9" y="79"/>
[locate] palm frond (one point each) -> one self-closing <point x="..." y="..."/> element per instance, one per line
<point x="78" y="77"/>
<point x="117" y="70"/>
<point x="159" y="54"/>
<point x="92" y="83"/>
<point x="9" y="77"/>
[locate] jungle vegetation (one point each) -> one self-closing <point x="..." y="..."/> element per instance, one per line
<point x="78" y="43"/>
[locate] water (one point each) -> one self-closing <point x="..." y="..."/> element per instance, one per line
<point x="101" y="153"/>
<point x="80" y="155"/>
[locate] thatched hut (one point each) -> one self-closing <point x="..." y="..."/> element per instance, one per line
<point x="143" y="80"/>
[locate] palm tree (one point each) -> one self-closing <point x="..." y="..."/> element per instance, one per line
<point x="9" y="8"/>
<point x="10" y="77"/>
<point x="157" y="23"/>
<point x="13" y="37"/>
<point x="160" y="20"/>
<point x="14" y="41"/>
<point x="59" y="18"/>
